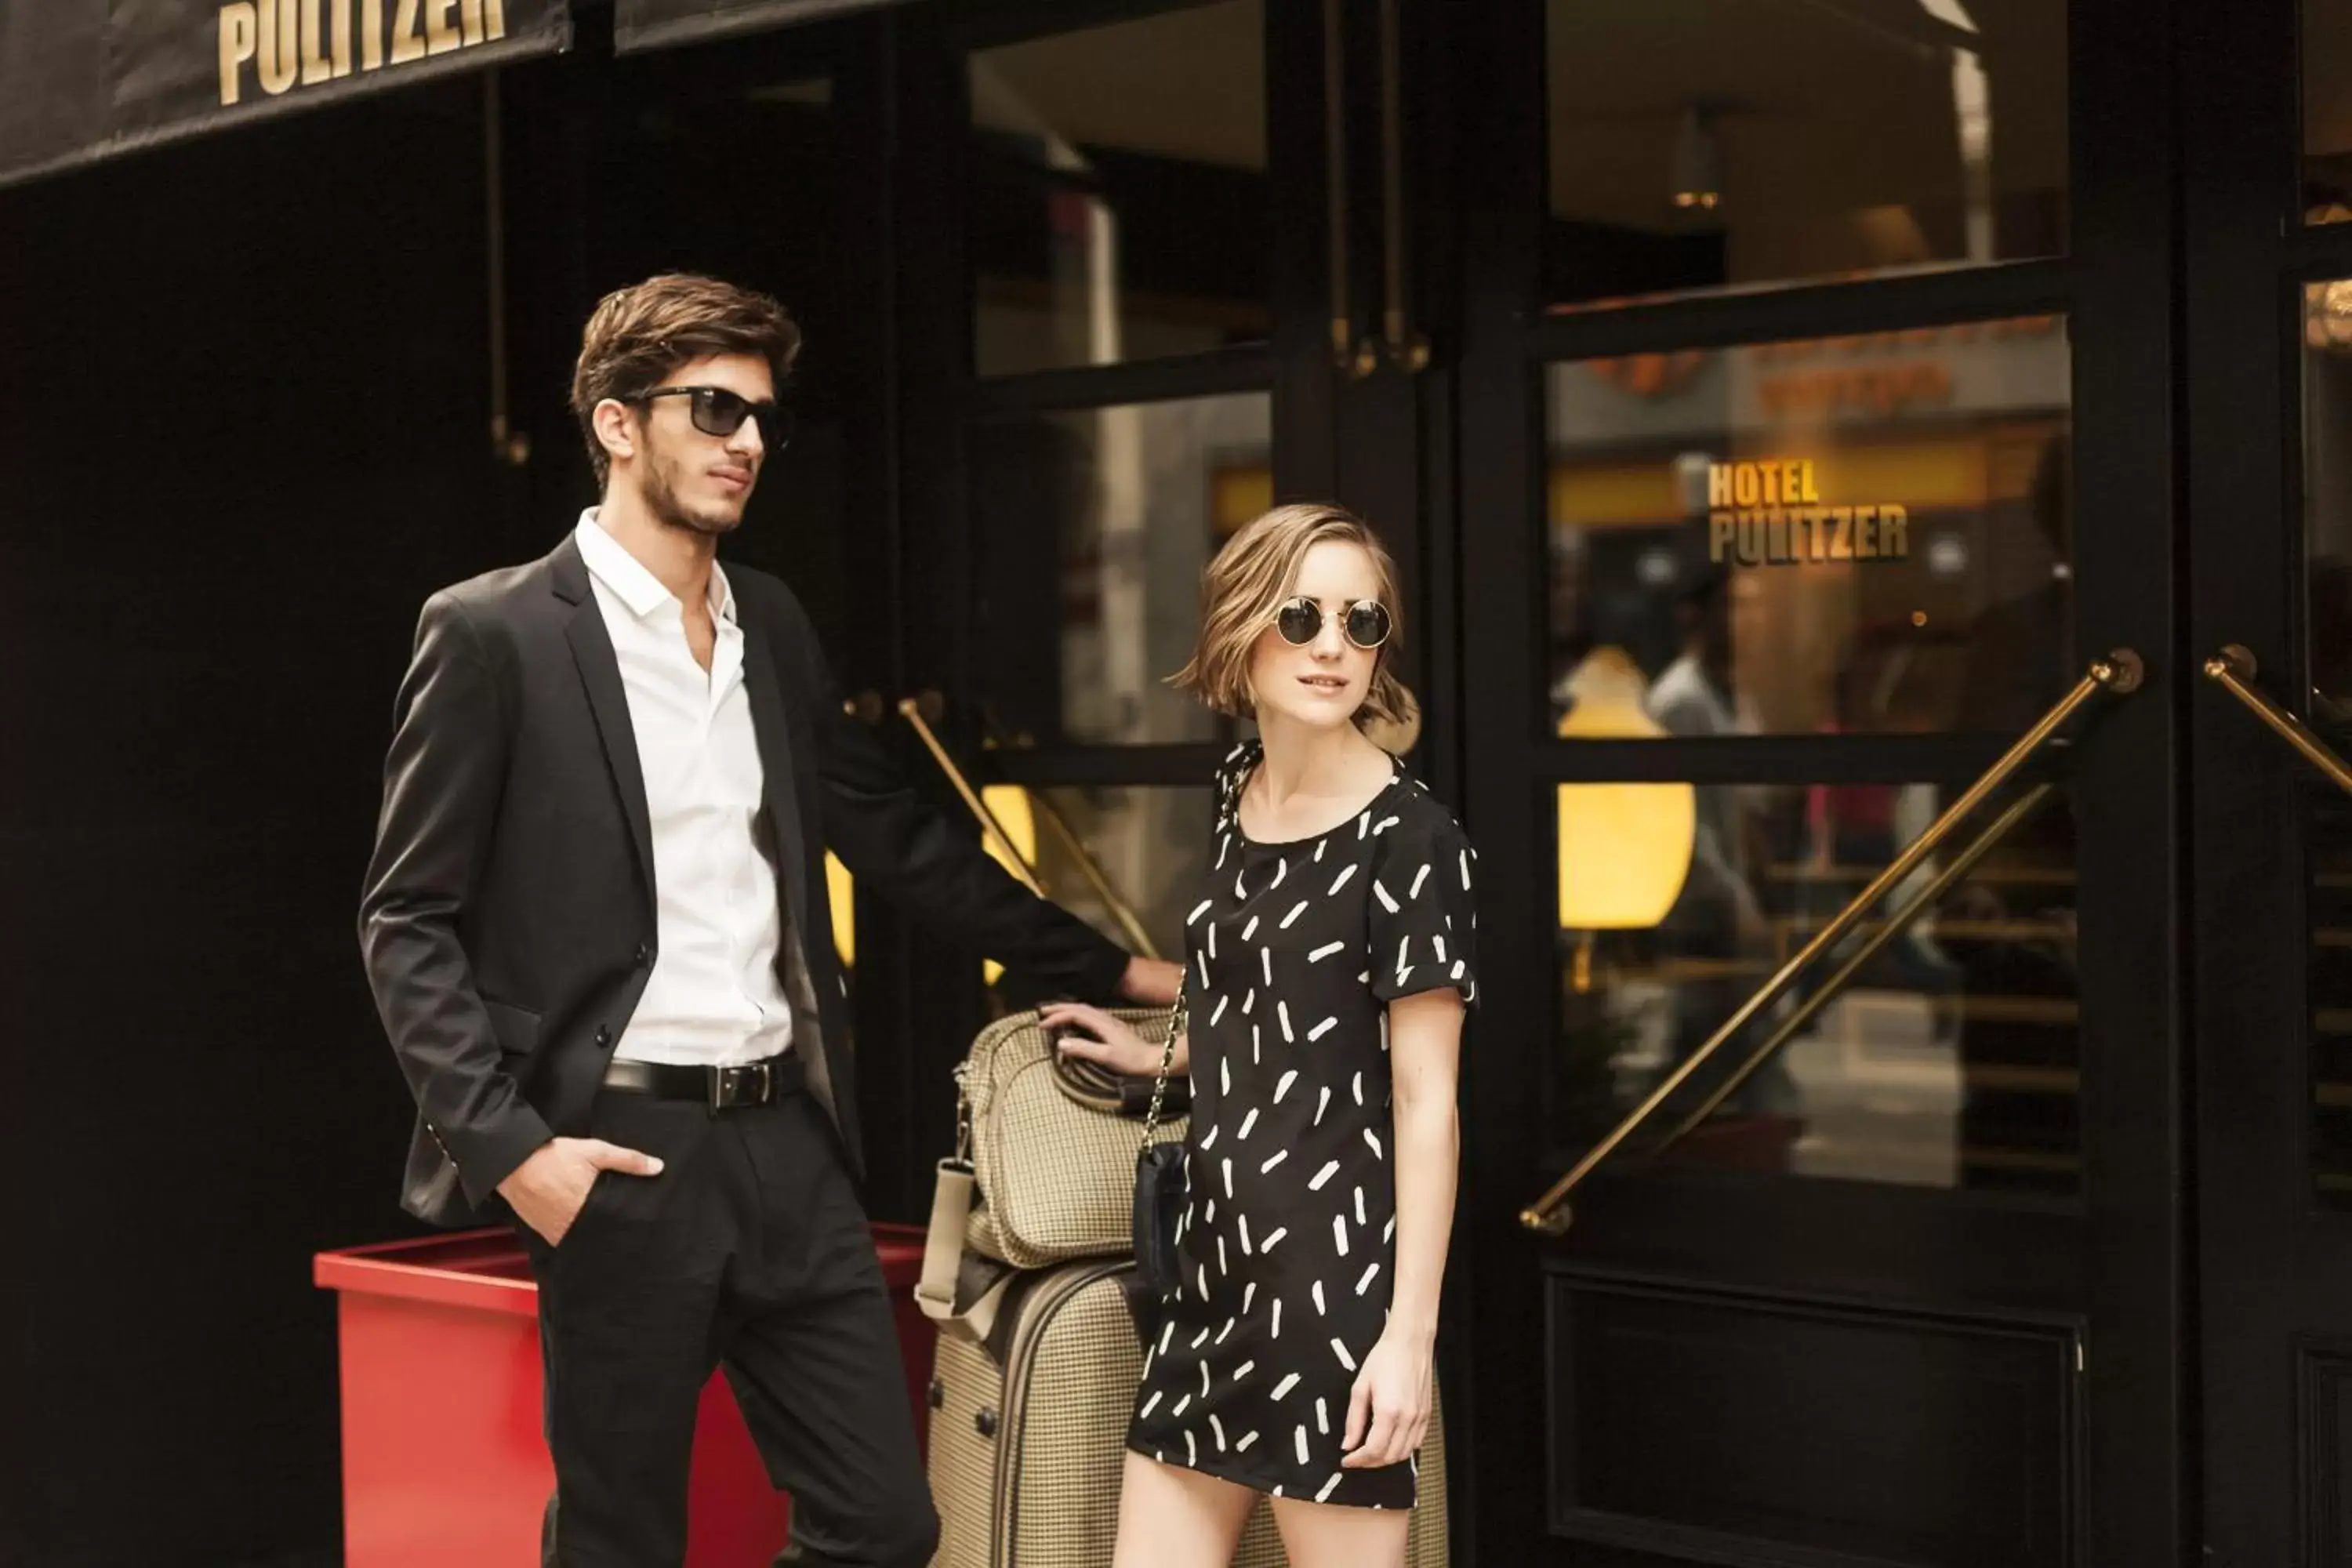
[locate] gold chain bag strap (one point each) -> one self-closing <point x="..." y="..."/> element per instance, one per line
<point x="1159" y="1196"/>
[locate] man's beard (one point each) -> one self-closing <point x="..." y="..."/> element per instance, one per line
<point x="661" y="500"/>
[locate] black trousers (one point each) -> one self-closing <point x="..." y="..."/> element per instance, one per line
<point x="750" y="1252"/>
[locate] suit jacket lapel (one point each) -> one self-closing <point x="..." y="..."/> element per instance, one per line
<point x="600" y="673"/>
<point x="778" y="792"/>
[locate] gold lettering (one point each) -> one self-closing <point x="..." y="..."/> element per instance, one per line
<point x="1894" y="531"/>
<point x="469" y="17"/>
<point x="342" y="37"/>
<point x="315" y="66"/>
<point x="440" y="30"/>
<point x="1751" y="539"/>
<point x="1841" y="533"/>
<point x="494" y="19"/>
<point x="1865" y="533"/>
<point x="1790" y="491"/>
<point x="1719" y="485"/>
<point x="1745" y="490"/>
<point x="1775" y="537"/>
<point x="371" y="34"/>
<point x="1811" y="492"/>
<point x="237" y="37"/>
<point x="1722" y="529"/>
<point x="407" y="43"/>
<point x="280" y="61"/>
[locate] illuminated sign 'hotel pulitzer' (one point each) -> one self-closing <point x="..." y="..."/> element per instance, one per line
<point x="1770" y="513"/>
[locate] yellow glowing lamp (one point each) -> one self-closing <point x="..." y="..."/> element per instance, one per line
<point x="1624" y="849"/>
<point x="1009" y="804"/>
<point x="841" y="896"/>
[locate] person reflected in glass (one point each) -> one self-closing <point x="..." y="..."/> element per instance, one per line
<point x="1712" y="941"/>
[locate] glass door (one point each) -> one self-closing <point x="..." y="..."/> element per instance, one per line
<point x="2269" y="319"/>
<point x="1811" y="434"/>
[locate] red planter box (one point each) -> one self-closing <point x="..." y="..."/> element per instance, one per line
<point x="445" y="1458"/>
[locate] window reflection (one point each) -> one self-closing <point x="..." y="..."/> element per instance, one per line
<point x="1700" y="145"/>
<point x="1849" y="534"/>
<point x="1092" y="529"/>
<point x="1951" y="1060"/>
<point x="1147" y="846"/>
<point x="1119" y="204"/>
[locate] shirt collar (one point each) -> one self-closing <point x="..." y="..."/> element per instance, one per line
<point x="609" y="561"/>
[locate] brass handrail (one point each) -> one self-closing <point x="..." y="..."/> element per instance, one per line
<point x="1088" y="867"/>
<point x="913" y="712"/>
<point x="2233" y="670"/>
<point x="1897" y="922"/>
<point x="2118" y="673"/>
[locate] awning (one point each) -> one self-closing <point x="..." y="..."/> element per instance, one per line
<point x="83" y="80"/>
<point x="666" y="24"/>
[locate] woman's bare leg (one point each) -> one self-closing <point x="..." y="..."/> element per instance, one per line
<point x="1174" y="1517"/>
<point x="1328" y="1535"/>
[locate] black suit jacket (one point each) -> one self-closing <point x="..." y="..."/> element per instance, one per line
<point x="508" y="919"/>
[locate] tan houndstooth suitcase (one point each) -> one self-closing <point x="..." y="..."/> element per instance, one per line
<point x="1028" y="1433"/>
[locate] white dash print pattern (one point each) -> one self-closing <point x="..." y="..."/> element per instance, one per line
<point x="1331" y="929"/>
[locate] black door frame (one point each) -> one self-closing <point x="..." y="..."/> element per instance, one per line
<point x="2111" y="1270"/>
<point x="2276" y="1267"/>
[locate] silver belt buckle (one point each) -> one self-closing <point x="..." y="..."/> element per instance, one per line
<point x="727" y="1086"/>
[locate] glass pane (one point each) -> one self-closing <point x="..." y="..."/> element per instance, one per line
<point x="1704" y="145"/>
<point x="2327" y="524"/>
<point x="1952" y="1060"/>
<point x="2327" y="111"/>
<point x="1119" y="207"/>
<point x="1148" y="844"/>
<point x="1842" y="535"/>
<point x="1093" y="528"/>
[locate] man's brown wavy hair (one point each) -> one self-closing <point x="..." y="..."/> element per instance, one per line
<point x="638" y="336"/>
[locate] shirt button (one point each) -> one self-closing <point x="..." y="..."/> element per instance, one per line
<point x="645" y="955"/>
<point x="603" y="1033"/>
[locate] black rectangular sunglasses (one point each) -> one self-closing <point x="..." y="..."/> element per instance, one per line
<point x="718" y="412"/>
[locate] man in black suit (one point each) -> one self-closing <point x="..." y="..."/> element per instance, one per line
<point x="597" y="929"/>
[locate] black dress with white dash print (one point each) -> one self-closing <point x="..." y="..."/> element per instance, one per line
<point x="1288" y="1243"/>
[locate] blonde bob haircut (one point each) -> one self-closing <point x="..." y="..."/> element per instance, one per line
<point x="1249" y="580"/>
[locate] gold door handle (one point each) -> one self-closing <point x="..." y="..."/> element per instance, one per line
<point x="2118" y="673"/>
<point x="2233" y="670"/>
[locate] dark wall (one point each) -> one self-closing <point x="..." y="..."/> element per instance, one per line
<point x="245" y="433"/>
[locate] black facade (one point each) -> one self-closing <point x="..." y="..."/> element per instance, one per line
<point x="1860" y="372"/>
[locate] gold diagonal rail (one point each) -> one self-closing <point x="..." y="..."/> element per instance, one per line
<point x="913" y="712"/>
<point x="2233" y="670"/>
<point x="1897" y="922"/>
<point x="1089" y="865"/>
<point x="2120" y="672"/>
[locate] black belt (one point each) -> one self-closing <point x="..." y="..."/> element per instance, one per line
<point x="763" y="1082"/>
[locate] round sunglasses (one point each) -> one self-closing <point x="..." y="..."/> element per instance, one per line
<point x="1300" y="622"/>
<point x="718" y="412"/>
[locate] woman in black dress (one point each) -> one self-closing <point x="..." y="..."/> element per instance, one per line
<point x="1330" y="961"/>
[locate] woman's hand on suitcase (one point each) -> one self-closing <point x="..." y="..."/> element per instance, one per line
<point x="1106" y="1041"/>
<point x="549" y="1189"/>
<point x="1387" y="1413"/>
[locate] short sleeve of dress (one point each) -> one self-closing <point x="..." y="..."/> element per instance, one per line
<point x="1424" y="929"/>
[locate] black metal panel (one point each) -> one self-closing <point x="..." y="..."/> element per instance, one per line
<point x="667" y="23"/>
<point x="1808" y="310"/>
<point x="1789" y="1431"/>
<point x="2322" y="1471"/>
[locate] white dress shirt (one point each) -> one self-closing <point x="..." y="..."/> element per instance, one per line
<point x="714" y="997"/>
